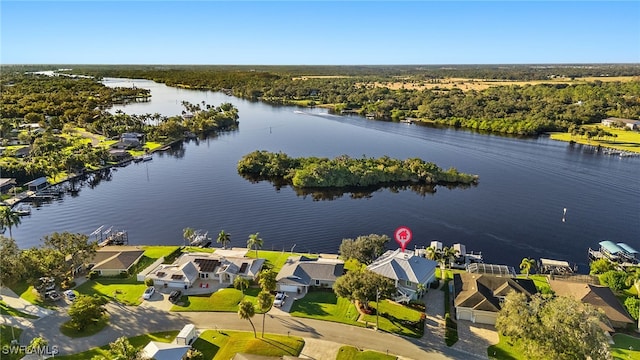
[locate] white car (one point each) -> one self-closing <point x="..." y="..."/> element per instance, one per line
<point x="70" y="295"/>
<point x="279" y="299"/>
<point x="148" y="293"/>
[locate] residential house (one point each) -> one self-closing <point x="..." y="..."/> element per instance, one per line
<point x="6" y="184"/>
<point x="115" y="260"/>
<point x="222" y="266"/>
<point x="600" y="297"/>
<point x="627" y="123"/>
<point x="300" y="272"/>
<point x="478" y="297"/>
<point x="409" y="271"/>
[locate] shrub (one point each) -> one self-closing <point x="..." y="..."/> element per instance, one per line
<point x="616" y="280"/>
<point x="633" y="306"/>
<point x="450" y="331"/>
<point x="93" y="275"/>
<point x="148" y="281"/>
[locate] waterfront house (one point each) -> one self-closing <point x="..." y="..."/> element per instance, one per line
<point x="115" y="260"/>
<point x="619" y="122"/>
<point x="6" y="184"/>
<point x="407" y="270"/>
<point x="222" y="267"/>
<point x="37" y="184"/>
<point x="600" y="297"/>
<point x="299" y="273"/>
<point x="478" y="297"/>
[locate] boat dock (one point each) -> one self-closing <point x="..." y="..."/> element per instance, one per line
<point x="110" y="236"/>
<point x="620" y="254"/>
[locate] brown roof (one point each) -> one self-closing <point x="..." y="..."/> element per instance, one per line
<point x="483" y="292"/>
<point x="116" y="258"/>
<point x="599" y="296"/>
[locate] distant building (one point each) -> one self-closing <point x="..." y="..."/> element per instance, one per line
<point x="6" y="184"/>
<point x="628" y="123"/>
<point x="37" y="184"/>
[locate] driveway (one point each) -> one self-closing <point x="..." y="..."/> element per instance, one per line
<point x="475" y="338"/>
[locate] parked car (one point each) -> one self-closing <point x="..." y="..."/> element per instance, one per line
<point x="47" y="284"/>
<point x="175" y="296"/>
<point x="148" y="293"/>
<point x="70" y="295"/>
<point x="279" y="299"/>
<point x="52" y="295"/>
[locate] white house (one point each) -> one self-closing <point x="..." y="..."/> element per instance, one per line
<point x="165" y="351"/>
<point x="628" y="123"/>
<point x="408" y="270"/>
<point x="222" y="266"/>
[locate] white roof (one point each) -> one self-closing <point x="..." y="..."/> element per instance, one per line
<point x="186" y="331"/>
<point x="399" y="265"/>
<point x="164" y="351"/>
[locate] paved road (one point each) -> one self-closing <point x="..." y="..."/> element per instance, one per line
<point x="132" y="321"/>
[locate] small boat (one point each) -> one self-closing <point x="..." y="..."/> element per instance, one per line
<point x="147" y="157"/>
<point x="201" y="239"/>
<point x="22" y="210"/>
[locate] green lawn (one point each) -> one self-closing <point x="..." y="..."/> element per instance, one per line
<point x="225" y="344"/>
<point x="126" y="291"/>
<point x="92" y="329"/>
<point x="7" y="333"/>
<point x="8" y="310"/>
<point x="540" y="281"/>
<point x="222" y="300"/>
<point x="352" y="353"/>
<point x="397" y="319"/>
<point x="137" y="341"/>
<point x="626" y="140"/>
<point x="156" y="252"/>
<point x="324" y="305"/>
<point x="275" y="259"/>
<point x="506" y="349"/>
<point x="620" y="350"/>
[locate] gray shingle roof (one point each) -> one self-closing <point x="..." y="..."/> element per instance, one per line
<point x="403" y="266"/>
<point x="302" y="271"/>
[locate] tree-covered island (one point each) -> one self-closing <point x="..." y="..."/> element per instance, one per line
<point x="344" y="171"/>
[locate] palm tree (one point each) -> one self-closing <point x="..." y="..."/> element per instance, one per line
<point x="264" y="302"/>
<point x="187" y="235"/>
<point x="246" y="311"/>
<point x="421" y="289"/>
<point x="526" y="265"/>
<point x="240" y="283"/>
<point x="9" y="218"/>
<point x="224" y="238"/>
<point x="267" y="280"/>
<point x="431" y="253"/>
<point x="255" y="241"/>
<point x="448" y="255"/>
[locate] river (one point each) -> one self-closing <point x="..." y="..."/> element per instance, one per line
<point x="515" y="211"/>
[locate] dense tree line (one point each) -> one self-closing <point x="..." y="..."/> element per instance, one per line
<point x="524" y="110"/>
<point x="345" y="171"/>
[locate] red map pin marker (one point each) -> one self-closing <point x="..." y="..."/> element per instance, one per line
<point x="402" y="235"/>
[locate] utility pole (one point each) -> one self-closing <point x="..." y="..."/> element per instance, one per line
<point x="377" y="306"/>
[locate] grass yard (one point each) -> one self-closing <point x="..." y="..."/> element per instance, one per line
<point x="156" y="252"/>
<point x="626" y="140"/>
<point x="221" y="300"/>
<point x="8" y="310"/>
<point x="505" y="350"/>
<point x="326" y="306"/>
<point x="621" y="348"/>
<point x="126" y="291"/>
<point x="29" y="293"/>
<point x="92" y="329"/>
<point x="540" y="281"/>
<point x="397" y="319"/>
<point x="275" y="259"/>
<point x="225" y="344"/>
<point x="7" y="334"/>
<point x="137" y="341"/>
<point x="352" y="353"/>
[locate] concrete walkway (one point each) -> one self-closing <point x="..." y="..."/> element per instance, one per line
<point x="16" y="302"/>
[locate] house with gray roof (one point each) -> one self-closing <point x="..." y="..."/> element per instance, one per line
<point x="477" y="297"/>
<point x="408" y="270"/>
<point x="300" y="272"/>
<point x="632" y="124"/>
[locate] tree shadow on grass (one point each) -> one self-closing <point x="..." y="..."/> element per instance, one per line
<point x="284" y="347"/>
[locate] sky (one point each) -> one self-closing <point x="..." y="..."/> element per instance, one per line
<point x="319" y="32"/>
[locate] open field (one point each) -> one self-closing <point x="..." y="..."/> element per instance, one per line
<point x="221" y="300"/>
<point x="625" y="141"/>
<point x="482" y="84"/>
